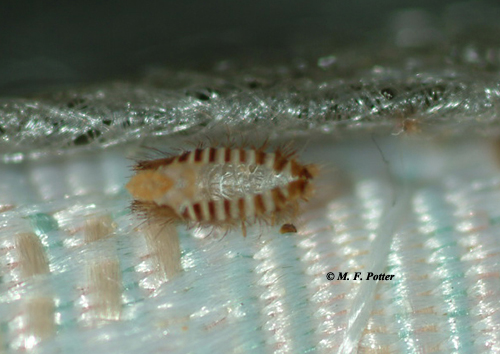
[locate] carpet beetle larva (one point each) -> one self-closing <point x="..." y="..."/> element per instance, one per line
<point x="221" y="187"/>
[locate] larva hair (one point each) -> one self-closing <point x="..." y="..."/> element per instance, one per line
<point x="221" y="187"/>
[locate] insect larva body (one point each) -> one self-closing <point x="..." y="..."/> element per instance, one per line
<point x="221" y="187"/>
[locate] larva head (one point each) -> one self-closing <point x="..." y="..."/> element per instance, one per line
<point x="149" y="185"/>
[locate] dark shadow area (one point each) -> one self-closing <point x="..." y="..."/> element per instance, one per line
<point x="45" y="44"/>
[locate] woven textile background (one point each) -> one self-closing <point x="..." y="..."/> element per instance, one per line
<point x="76" y="272"/>
<point x="400" y="108"/>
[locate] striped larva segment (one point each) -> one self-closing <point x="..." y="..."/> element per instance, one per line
<point x="221" y="186"/>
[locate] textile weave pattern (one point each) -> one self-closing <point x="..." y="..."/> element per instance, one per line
<point x="78" y="274"/>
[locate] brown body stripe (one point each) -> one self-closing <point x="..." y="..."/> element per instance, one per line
<point x="296" y="189"/>
<point x="299" y="170"/>
<point x="279" y="198"/>
<point x="243" y="156"/>
<point x="227" y="208"/>
<point x="153" y="164"/>
<point x="260" y="157"/>
<point x="153" y="210"/>
<point x="184" y="157"/>
<point x="185" y="214"/>
<point x="260" y="207"/>
<point x="211" y="210"/>
<point x="198" y="154"/>
<point x="241" y="207"/>
<point x="279" y="163"/>
<point x="227" y="155"/>
<point x="306" y="173"/>
<point x="296" y="169"/>
<point x="211" y="156"/>
<point x="197" y="211"/>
